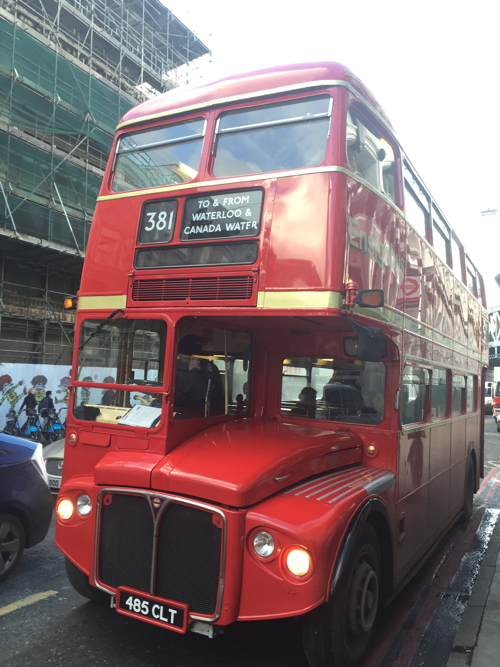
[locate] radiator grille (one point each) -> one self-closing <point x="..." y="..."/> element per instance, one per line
<point x="188" y="554"/>
<point x="214" y="288"/>
<point x="126" y="544"/>
<point x="52" y="467"/>
<point x="188" y="564"/>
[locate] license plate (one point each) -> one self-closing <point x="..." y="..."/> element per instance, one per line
<point x="54" y="483"/>
<point x="171" y="615"/>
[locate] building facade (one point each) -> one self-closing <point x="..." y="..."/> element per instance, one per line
<point x="69" y="69"/>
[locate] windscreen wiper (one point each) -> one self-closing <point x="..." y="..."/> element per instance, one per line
<point x="110" y="317"/>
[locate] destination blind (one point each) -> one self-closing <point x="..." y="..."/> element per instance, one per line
<point x="233" y="214"/>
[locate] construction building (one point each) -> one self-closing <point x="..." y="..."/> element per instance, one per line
<point x="69" y="69"/>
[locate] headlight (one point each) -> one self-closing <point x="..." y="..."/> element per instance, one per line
<point x="65" y="509"/>
<point x="39" y="463"/>
<point x="263" y="544"/>
<point x="83" y="504"/>
<point x="298" y="562"/>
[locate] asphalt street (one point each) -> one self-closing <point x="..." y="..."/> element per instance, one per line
<point x="44" y="622"/>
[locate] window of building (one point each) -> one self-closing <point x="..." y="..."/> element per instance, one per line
<point x="414" y="394"/>
<point x="333" y="389"/>
<point x="439" y="396"/>
<point x="458" y="395"/>
<point x="272" y="137"/>
<point x="370" y="156"/>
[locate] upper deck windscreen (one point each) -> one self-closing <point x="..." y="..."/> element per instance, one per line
<point x="161" y="156"/>
<point x="288" y="135"/>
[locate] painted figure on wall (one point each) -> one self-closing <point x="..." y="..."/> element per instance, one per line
<point x="9" y="390"/>
<point x="64" y="389"/>
<point x="39" y="382"/>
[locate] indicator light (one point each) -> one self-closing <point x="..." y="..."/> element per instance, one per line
<point x="70" y="302"/>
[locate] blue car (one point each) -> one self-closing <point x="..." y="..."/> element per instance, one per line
<point x="25" y="500"/>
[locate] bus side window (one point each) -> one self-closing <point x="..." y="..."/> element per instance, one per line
<point x="458" y="395"/>
<point x="416" y="202"/>
<point x="415" y="389"/>
<point x="370" y="156"/>
<point x="439" y="393"/>
<point x="470" y="393"/>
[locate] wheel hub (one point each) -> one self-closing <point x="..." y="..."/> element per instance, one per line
<point x="363" y="599"/>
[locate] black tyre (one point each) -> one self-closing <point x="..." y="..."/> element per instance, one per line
<point x="337" y="634"/>
<point x="12" y="541"/>
<point x="80" y="583"/>
<point x="469" y="492"/>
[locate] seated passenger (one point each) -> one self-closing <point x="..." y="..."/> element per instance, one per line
<point x="306" y="406"/>
<point x="374" y="403"/>
<point x="198" y="385"/>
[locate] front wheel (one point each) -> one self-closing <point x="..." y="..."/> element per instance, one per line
<point x="12" y="540"/>
<point x="80" y="583"/>
<point x="337" y="634"/>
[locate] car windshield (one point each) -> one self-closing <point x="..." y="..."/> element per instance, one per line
<point x="346" y="390"/>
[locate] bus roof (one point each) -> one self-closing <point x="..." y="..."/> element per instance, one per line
<point x="238" y="87"/>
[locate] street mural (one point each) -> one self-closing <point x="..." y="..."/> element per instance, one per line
<point x="17" y="379"/>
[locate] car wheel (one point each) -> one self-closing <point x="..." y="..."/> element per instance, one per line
<point x="80" y="583"/>
<point x="12" y="541"/>
<point x="337" y="634"/>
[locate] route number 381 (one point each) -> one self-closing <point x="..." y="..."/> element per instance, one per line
<point x="157" y="221"/>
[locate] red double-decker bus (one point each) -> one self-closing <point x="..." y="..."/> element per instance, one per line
<point x="275" y="406"/>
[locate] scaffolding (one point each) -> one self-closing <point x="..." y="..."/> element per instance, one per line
<point x="69" y="70"/>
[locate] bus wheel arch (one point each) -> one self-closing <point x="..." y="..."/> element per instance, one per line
<point x="337" y="633"/>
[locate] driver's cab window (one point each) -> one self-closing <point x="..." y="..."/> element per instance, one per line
<point x="213" y="371"/>
<point x="347" y="390"/>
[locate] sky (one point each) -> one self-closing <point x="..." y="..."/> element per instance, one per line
<point x="433" y="65"/>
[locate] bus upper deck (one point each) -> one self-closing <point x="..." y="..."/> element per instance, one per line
<point x="287" y="184"/>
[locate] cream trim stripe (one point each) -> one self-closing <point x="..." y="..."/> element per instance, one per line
<point x="229" y="181"/>
<point x="325" y="83"/>
<point x="299" y="299"/>
<point x="423" y="426"/>
<point x="102" y="302"/>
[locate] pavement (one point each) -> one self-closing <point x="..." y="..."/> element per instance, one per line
<point x="477" y="641"/>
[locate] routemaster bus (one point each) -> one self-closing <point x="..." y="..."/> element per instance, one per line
<point x="275" y="406"/>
